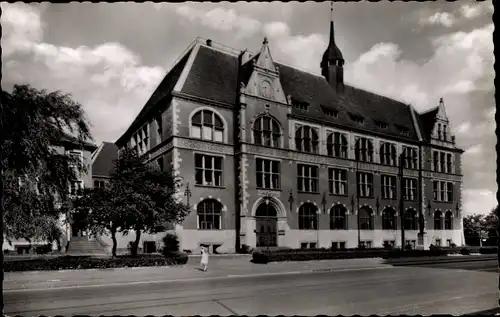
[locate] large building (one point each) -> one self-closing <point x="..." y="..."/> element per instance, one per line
<point x="273" y="155"/>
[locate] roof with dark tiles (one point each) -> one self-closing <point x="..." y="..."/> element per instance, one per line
<point x="213" y="76"/>
<point x="103" y="163"/>
<point x="427" y="121"/>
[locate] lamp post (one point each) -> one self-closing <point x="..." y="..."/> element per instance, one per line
<point x="401" y="200"/>
<point x="323" y="202"/>
<point x="187" y="193"/>
<point x="356" y="171"/>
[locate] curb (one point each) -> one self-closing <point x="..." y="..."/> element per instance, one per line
<point x="194" y="279"/>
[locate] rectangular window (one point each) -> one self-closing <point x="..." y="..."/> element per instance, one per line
<point x="141" y="140"/>
<point x="342" y="245"/>
<point x="159" y="162"/>
<point x="435" y="189"/>
<point x="159" y="129"/>
<point x="442" y="158"/>
<point x="448" y="164"/>
<point x="442" y="191"/>
<point x="389" y="187"/>
<point x="435" y="161"/>
<point x="76" y="188"/>
<point x="438" y="242"/>
<point x="303" y="245"/>
<point x="335" y="245"/>
<point x="449" y="192"/>
<point x="208" y="170"/>
<point x="365" y="184"/>
<point x="337" y="181"/>
<point x="410" y="190"/>
<point x="268" y="174"/>
<point x="307" y="178"/>
<point x="448" y="242"/>
<point x="312" y="245"/>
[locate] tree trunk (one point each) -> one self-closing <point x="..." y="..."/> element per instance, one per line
<point x="113" y="237"/>
<point x="135" y="245"/>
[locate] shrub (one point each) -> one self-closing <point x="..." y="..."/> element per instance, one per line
<point x="43" y="249"/>
<point x="464" y="251"/>
<point x="245" y="249"/>
<point x="488" y="250"/>
<point x="170" y="243"/>
<point x="87" y="262"/>
<point x="408" y="247"/>
<point x="260" y="257"/>
<point x="387" y="246"/>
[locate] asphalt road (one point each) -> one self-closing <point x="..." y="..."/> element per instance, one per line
<point x="395" y="290"/>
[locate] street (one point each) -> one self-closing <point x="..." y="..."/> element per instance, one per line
<point x="359" y="290"/>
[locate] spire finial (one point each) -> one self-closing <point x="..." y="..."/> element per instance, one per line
<point x="265" y="41"/>
<point x="331" y="10"/>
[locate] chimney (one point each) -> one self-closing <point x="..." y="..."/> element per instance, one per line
<point x="209" y="42"/>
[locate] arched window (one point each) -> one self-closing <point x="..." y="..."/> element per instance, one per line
<point x="207" y="125"/>
<point x="439" y="131"/>
<point x="410" y="157"/>
<point x="306" y="140"/>
<point x="338" y="218"/>
<point x="437" y="220"/>
<point x="388" y="154"/>
<point x="363" y="150"/>
<point x="365" y="218"/>
<point x="209" y="214"/>
<point x="410" y="219"/>
<point x="336" y="145"/>
<point x="389" y="219"/>
<point x="267" y="132"/>
<point x="308" y="217"/>
<point x="444" y="132"/>
<point x="448" y="221"/>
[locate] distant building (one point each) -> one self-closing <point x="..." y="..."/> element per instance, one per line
<point x="103" y="163"/>
<point x="70" y="146"/>
<point x="274" y="155"/>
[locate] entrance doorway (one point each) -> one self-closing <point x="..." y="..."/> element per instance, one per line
<point x="266" y="225"/>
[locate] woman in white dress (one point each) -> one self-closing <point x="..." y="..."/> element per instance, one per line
<point x="204" y="259"/>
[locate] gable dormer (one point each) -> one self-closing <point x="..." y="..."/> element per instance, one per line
<point x="441" y="132"/>
<point x="264" y="81"/>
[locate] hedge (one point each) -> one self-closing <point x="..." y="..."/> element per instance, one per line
<point x="488" y="250"/>
<point x="329" y="254"/>
<point x="88" y="262"/>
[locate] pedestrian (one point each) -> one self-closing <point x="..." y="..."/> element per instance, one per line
<point x="204" y="258"/>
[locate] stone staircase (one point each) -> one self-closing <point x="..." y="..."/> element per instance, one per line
<point x="84" y="246"/>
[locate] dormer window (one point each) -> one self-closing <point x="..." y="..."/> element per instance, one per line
<point x="302" y="105"/>
<point x="403" y="130"/>
<point x="357" y="118"/>
<point x="331" y="112"/>
<point x="381" y="125"/>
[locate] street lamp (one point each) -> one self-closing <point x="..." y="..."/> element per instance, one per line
<point x="267" y="223"/>
<point x="187" y="193"/>
<point x="356" y="158"/>
<point x="323" y="202"/>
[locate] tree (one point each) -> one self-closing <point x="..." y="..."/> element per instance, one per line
<point x="98" y="207"/>
<point x="144" y="196"/>
<point x="479" y="226"/>
<point x="31" y="122"/>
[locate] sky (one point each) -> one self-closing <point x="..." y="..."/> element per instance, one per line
<point x="111" y="57"/>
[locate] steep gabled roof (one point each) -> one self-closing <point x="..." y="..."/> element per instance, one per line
<point x="162" y="92"/>
<point x="427" y="121"/>
<point x="213" y="76"/>
<point x="103" y="163"/>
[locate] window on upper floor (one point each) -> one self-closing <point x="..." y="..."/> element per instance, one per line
<point x="381" y="125"/>
<point x="442" y="162"/>
<point x="140" y="140"/>
<point x="439" y="131"/>
<point x="331" y="112"/>
<point x="207" y="125"/>
<point x="307" y="140"/>
<point x="337" y="181"/>
<point x="410" y="188"/>
<point x="388" y="187"/>
<point x="410" y="157"/>
<point x="443" y="191"/>
<point x="307" y="178"/>
<point x="268" y="173"/>
<point x="388" y="154"/>
<point x="76" y="188"/>
<point x="336" y="145"/>
<point x="159" y="128"/>
<point x="357" y="118"/>
<point x="403" y="130"/>
<point x="365" y="184"/>
<point x="267" y="132"/>
<point x="363" y="150"/>
<point x="208" y="170"/>
<point x="445" y="137"/>
<point x="438" y="222"/>
<point x="448" y="221"/>
<point x="302" y="105"/>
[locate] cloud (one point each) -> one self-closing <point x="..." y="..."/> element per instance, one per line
<point x="478" y="201"/>
<point x="220" y="19"/>
<point x="471" y="11"/>
<point x="108" y="79"/>
<point x="439" y="18"/>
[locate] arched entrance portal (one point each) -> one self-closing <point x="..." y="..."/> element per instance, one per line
<point x="266" y="225"/>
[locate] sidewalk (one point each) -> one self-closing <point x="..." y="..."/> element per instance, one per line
<point x="219" y="267"/>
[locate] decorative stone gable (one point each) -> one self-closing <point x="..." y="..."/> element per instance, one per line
<point x="264" y="81"/>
